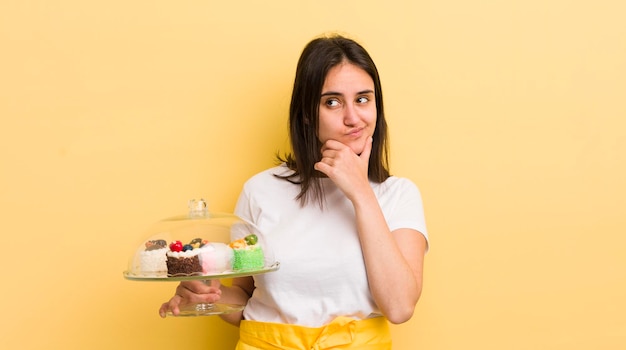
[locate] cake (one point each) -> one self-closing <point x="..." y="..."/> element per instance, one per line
<point x="198" y="257"/>
<point x="152" y="260"/>
<point x="183" y="260"/>
<point x="215" y="258"/>
<point x="247" y="253"/>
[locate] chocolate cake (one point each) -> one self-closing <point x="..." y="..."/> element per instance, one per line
<point x="183" y="266"/>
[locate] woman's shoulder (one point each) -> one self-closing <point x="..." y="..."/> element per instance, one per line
<point x="399" y="182"/>
<point x="398" y="187"/>
<point x="268" y="176"/>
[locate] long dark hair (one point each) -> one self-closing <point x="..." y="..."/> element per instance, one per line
<point x="317" y="58"/>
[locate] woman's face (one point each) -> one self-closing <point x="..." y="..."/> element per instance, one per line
<point x="347" y="107"/>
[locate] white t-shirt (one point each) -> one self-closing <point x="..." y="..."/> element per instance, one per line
<point x="322" y="272"/>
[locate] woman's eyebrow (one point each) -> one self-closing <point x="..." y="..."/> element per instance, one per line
<point x="334" y="93"/>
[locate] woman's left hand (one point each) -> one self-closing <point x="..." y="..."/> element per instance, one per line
<point x="348" y="170"/>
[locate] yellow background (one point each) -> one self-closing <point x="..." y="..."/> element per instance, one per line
<point x="509" y="115"/>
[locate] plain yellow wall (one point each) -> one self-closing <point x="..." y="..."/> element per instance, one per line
<point x="509" y="115"/>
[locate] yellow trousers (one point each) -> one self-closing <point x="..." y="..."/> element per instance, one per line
<point x="341" y="333"/>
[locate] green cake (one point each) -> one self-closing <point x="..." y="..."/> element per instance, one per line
<point x="248" y="254"/>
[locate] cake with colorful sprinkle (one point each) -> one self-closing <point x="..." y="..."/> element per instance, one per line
<point x="183" y="260"/>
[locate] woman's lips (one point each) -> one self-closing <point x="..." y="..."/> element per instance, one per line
<point x="355" y="132"/>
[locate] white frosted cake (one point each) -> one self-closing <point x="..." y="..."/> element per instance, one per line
<point x="152" y="260"/>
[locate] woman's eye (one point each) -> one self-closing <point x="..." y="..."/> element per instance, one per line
<point x="362" y="99"/>
<point x="332" y="103"/>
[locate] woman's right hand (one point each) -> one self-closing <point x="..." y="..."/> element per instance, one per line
<point x="192" y="292"/>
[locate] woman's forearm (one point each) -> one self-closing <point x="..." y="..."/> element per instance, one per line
<point x="237" y="294"/>
<point x="393" y="260"/>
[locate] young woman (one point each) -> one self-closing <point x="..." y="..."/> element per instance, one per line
<point x="350" y="238"/>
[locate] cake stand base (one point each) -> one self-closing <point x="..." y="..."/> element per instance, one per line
<point x="206" y="310"/>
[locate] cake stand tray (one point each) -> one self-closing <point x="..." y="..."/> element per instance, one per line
<point x="222" y="275"/>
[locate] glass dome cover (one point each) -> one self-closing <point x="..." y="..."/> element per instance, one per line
<point x="211" y="242"/>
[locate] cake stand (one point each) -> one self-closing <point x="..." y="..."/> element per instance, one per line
<point x="203" y="309"/>
<point x="199" y="223"/>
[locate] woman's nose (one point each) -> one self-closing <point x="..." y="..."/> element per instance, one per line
<point x="349" y="115"/>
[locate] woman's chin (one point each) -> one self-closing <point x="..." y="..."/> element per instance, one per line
<point x="357" y="150"/>
<point x="358" y="146"/>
